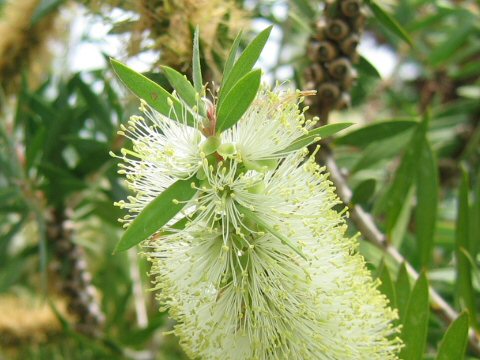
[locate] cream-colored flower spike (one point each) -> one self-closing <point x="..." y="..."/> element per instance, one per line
<point x="262" y="268"/>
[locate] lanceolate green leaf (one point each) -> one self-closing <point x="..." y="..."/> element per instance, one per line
<point x="156" y="214"/>
<point x="231" y="56"/>
<point x="386" y="286"/>
<point x="377" y="131"/>
<point x="454" y="341"/>
<point x="454" y="41"/>
<point x="184" y="89"/>
<point x="465" y="293"/>
<point x="427" y="201"/>
<point x="155" y="96"/>
<point x="244" y="63"/>
<point x="363" y="191"/>
<point x="415" y="325"/>
<point x="238" y="100"/>
<point x="404" y="177"/>
<point x="285" y="240"/>
<point x="315" y="135"/>
<point x="388" y="22"/>
<point x="402" y="291"/>
<point x="196" y="68"/>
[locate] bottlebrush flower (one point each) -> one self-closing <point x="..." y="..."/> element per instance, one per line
<point x="256" y="265"/>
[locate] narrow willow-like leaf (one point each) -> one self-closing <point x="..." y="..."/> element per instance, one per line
<point x="382" y="149"/>
<point x="455" y="39"/>
<point x="315" y="135"/>
<point x="238" y="100"/>
<point x="386" y="286"/>
<point x="454" y="341"/>
<point x="404" y="177"/>
<point x="231" y="56"/>
<point x="244" y="63"/>
<point x="377" y="131"/>
<point x="427" y="201"/>
<point x="415" y="325"/>
<point x="184" y="89"/>
<point x="363" y="192"/>
<point x="465" y="293"/>
<point x="402" y="291"/>
<point x="388" y="22"/>
<point x="196" y="68"/>
<point x="156" y="214"/>
<point x="305" y="8"/>
<point x="155" y="96"/>
<point x="253" y="217"/>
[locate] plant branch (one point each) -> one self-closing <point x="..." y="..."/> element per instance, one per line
<point x="366" y="225"/>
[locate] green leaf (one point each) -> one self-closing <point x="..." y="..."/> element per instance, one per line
<point x="305" y="8"/>
<point x="377" y="131"/>
<point x="256" y="219"/>
<point x="427" y="201"/>
<point x="454" y="341"/>
<point x="315" y="135"/>
<point x="231" y="56"/>
<point x="388" y="22"/>
<point x="238" y="100"/>
<point x="386" y="287"/>
<point x="366" y="67"/>
<point x="157" y="214"/>
<point x="363" y="191"/>
<point x="244" y="63"/>
<point x="196" y="68"/>
<point x="155" y="96"/>
<point x="445" y="50"/>
<point x="402" y="291"/>
<point x="404" y="177"/>
<point x="45" y="8"/>
<point x="184" y="89"/>
<point x="465" y="294"/>
<point x="415" y="325"/>
<point x="381" y="150"/>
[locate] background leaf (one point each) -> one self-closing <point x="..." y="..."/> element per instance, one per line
<point x="455" y="339"/>
<point x="427" y="201"/>
<point x="415" y="325"/>
<point x="388" y="22"/>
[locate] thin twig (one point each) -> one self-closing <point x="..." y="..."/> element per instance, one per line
<point x="366" y="225"/>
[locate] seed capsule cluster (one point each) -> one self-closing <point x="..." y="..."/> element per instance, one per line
<point x="332" y="51"/>
<point x="76" y="283"/>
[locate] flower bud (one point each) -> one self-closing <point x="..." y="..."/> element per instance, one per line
<point x="227" y="149"/>
<point x="210" y="145"/>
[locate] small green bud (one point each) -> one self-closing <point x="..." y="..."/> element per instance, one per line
<point x="258" y="188"/>
<point x="211" y="145"/>
<point x="201" y="174"/>
<point x="227" y="149"/>
<point x="260" y="165"/>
